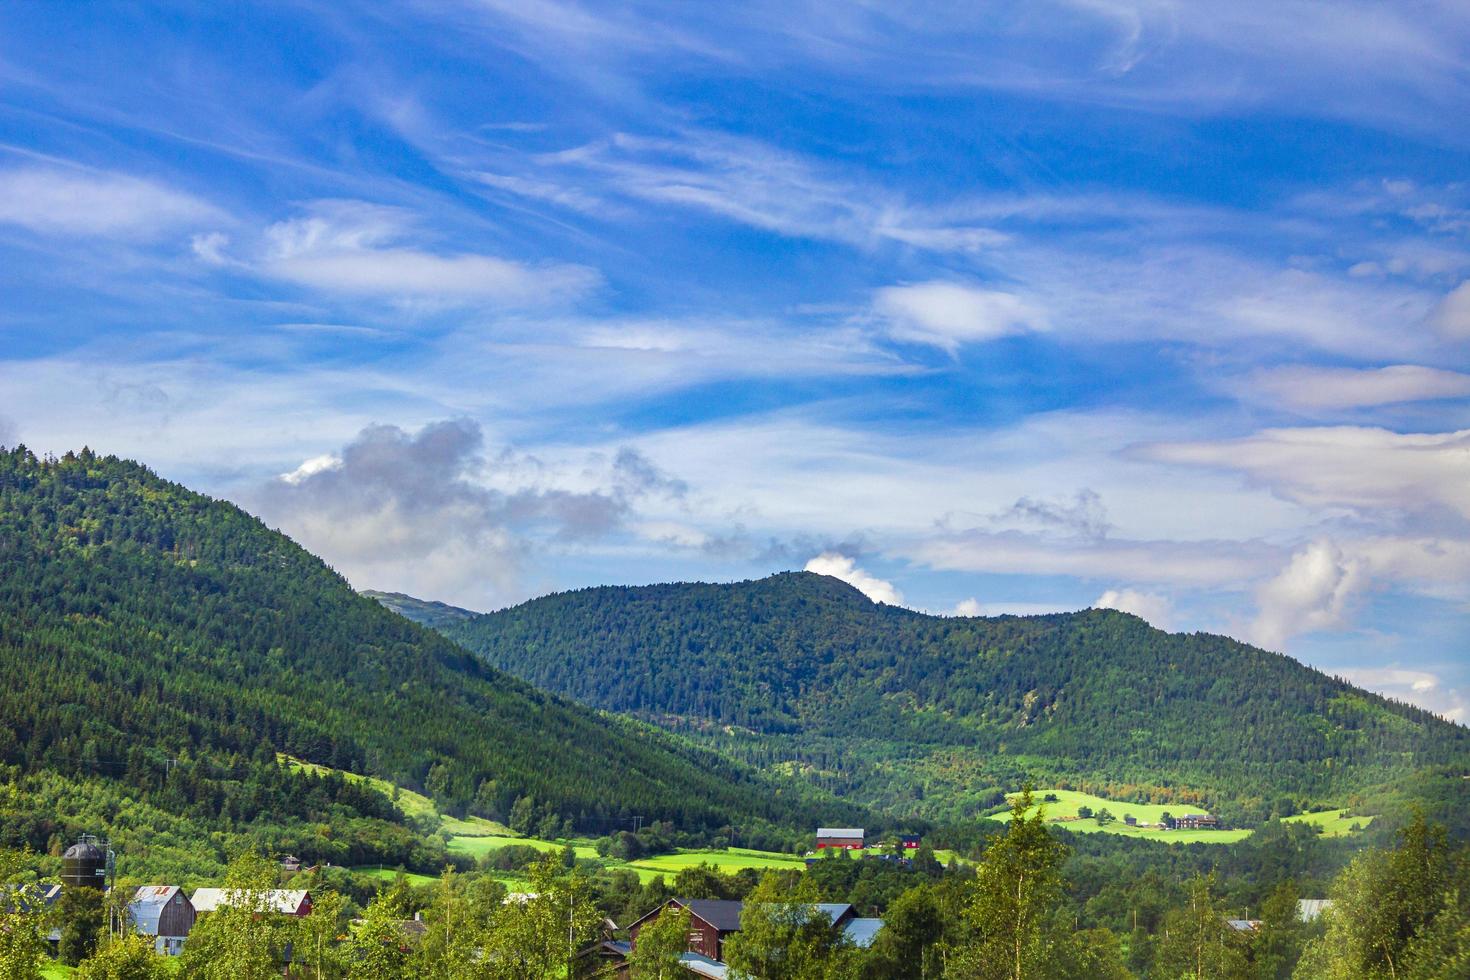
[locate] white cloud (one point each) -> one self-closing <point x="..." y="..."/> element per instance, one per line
<point x="1452" y="316"/>
<point x="1420" y="687"/>
<point x="974" y="607"/>
<point x="844" y="568"/>
<point x="350" y="247"/>
<point x="969" y="607"/>
<point x="313" y="466"/>
<point x="1152" y="607"/>
<point x="1308" y="387"/>
<point x="54" y="201"/>
<point x="1345" y="466"/>
<point x="947" y="314"/>
<point x="1313" y="592"/>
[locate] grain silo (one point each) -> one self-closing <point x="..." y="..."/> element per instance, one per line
<point x="85" y="865"/>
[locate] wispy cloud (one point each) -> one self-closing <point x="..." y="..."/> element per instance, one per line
<point x="80" y="202"/>
<point x="1310" y="387"/>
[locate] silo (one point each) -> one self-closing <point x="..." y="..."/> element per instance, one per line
<point x="84" y="865"/>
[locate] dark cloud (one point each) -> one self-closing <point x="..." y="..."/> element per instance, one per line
<point x="1084" y="516"/>
<point x="419" y="510"/>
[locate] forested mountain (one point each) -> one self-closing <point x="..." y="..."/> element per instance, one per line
<point x="938" y="715"/>
<point x="162" y="646"/>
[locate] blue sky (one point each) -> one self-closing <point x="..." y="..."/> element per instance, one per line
<point x="1158" y="306"/>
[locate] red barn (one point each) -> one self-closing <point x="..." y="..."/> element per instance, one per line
<point x="847" y="838"/>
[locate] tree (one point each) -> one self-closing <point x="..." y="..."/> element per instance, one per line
<point x="536" y="936"/>
<point x="784" y="936"/>
<point x="22" y="914"/>
<point x="124" y="958"/>
<point x="378" y="949"/>
<point x="1017" y="887"/>
<point x="81" y="912"/>
<point x="244" y="937"/>
<point x="1277" y="945"/>
<point x="660" y="943"/>
<point x="1104" y="817"/>
<point x="315" y="944"/>
<point x="1386" y="906"/>
<point x="908" y="944"/>
<point x="1198" y="943"/>
<point x="1084" y="812"/>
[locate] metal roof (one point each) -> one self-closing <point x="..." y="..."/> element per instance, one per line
<point x="862" y="932"/>
<point x="148" y="904"/>
<point x="704" y="966"/>
<point x="723" y="915"/>
<point x="1308" y="909"/>
<point x="839" y="831"/>
<point x="280" y="900"/>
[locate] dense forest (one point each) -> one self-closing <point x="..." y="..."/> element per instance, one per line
<point x="159" y="648"/>
<point x="940" y="715"/>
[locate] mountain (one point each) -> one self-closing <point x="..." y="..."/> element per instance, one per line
<point x="160" y="647"/>
<point x="939" y="715"/>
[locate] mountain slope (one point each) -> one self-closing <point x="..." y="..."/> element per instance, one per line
<point x="143" y="626"/>
<point x="937" y="714"/>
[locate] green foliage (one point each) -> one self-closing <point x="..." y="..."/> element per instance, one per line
<point x="315" y="937"/>
<point x="660" y="943"/>
<point x="22" y="918"/>
<point x="82" y="921"/>
<point x="1396" y="913"/>
<point x="783" y="936"/>
<point x="802" y="672"/>
<point x="1198" y="943"/>
<point x="124" y="958"/>
<point x="1017" y="888"/>
<point x="245" y="938"/>
<point x="160" y="648"/>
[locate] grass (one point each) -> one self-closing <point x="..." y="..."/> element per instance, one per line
<point x="1334" y="823"/>
<point x="478" y="845"/>
<point x="1063" y="813"/>
<point x="389" y="874"/>
<point x="734" y="859"/>
<point x="53" y="971"/>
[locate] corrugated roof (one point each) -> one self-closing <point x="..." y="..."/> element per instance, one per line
<point x="148" y="904"/>
<point x="839" y="831"/>
<point x="280" y="900"/>
<point x="1309" y="909"/>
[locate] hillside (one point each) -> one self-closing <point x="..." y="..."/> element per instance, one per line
<point x="943" y="715"/>
<point x="160" y="648"/>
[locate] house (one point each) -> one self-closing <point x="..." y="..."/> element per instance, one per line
<point x="1197" y="821"/>
<point x="847" y="838"/>
<point x="290" y="863"/>
<point x="280" y="900"/>
<point x="1311" y="909"/>
<point x="711" y="922"/>
<point x="909" y="842"/>
<point x="1130" y="820"/>
<point x="164" y="913"/>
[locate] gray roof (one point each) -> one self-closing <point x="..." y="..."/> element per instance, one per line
<point x="1308" y="909"/>
<point x="839" y="831"/>
<point x="148" y="904"/>
<point x="280" y="900"/>
<point x="704" y="966"/>
<point x="862" y="932"/>
<point x="723" y="915"/>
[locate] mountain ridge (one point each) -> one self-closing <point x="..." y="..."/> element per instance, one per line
<point x="802" y="673"/>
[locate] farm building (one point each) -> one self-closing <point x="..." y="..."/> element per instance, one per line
<point x="1197" y="821"/>
<point x="1311" y="909"/>
<point x="283" y="901"/>
<point x="165" y="914"/>
<point x="910" y="842"/>
<point x="849" y="838"/>
<point x="711" y="922"/>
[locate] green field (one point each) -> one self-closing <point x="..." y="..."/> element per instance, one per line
<point x="1063" y="813"/>
<point x="478" y="845"/>
<point x="415" y="806"/>
<point x="1334" y="823"/>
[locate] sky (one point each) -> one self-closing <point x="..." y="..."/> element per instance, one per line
<point x="1157" y="306"/>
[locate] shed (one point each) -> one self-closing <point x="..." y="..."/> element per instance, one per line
<point x="164" y="913"/>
